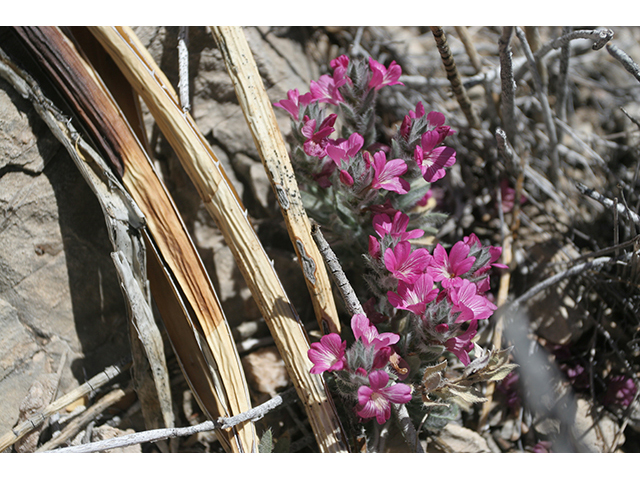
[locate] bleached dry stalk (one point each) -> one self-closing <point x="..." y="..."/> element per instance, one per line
<point x="476" y="61"/>
<point x="38" y="419"/>
<point x="546" y="109"/>
<point x="222" y="202"/>
<point x="509" y="156"/>
<point x="271" y="146"/>
<point x="77" y="424"/>
<point x="563" y="78"/>
<point x="600" y="37"/>
<point x="251" y="415"/>
<point x="212" y="357"/>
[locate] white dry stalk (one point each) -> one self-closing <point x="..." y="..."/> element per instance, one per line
<point x="252" y="415"/>
<point x="122" y="217"/>
<point x="223" y="204"/>
<point x="337" y="273"/>
<point x="261" y="119"/>
<point x="183" y="68"/>
<point x="172" y="239"/>
<point x="92" y="385"/>
<point x="607" y="202"/>
<point x="599" y="37"/>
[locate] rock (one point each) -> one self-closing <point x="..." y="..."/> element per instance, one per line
<point x="38" y="397"/>
<point x="457" y="439"/>
<point x="265" y="371"/>
<point x="595" y="436"/>
<point x="58" y="286"/>
<point x="106" y="432"/>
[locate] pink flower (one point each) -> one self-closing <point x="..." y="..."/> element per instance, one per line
<point x="433" y="160"/>
<point x="372" y="313"/>
<point x="345" y="149"/>
<point x="405" y="128"/>
<point x="341" y="61"/>
<point x="317" y="142"/>
<point x="368" y="333"/>
<point x="405" y="265"/>
<point x="386" y="207"/>
<point x="542" y="447"/>
<point x="384" y="76"/>
<point x="381" y="358"/>
<point x="375" y="401"/>
<point x="328" y="354"/>
<point x="470" y="305"/>
<point x="508" y="195"/>
<point x="461" y="345"/>
<point x="414" y="297"/>
<point x="326" y="89"/>
<point x="386" y="174"/>
<point x="396" y="228"/>
<point x="374" y="247"/>
<point x="435" y="119"/>
<point x="621" y="390"/>
<point x="346" y="178"/>
<point x="322" y="177"/>
<point x="340" y="66"/>
<point x="448" y="268"/>
<point x="293" y="102"/>
<point x="473" y="241"/>
<point x="424" y="200"/>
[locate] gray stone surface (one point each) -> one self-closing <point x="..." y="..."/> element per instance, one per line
<point x="58" y="287"/>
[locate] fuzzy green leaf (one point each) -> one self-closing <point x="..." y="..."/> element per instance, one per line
<point x="266" y="442"/>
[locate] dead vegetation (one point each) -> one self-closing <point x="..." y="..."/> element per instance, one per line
<point x="547" y="126"/>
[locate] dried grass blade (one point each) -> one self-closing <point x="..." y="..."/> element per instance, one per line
<point x="225" y="207"/>
<point x="83" y="90"/>
<point x="261" y="118"/>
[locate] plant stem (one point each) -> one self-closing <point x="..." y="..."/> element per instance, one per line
<point x="454" y="77"/>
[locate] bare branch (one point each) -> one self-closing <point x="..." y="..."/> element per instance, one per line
<point x="565" y="53"/>
<point x="183" y="68"/>
<point x="600" y="38"/>
<point x="166" y="433"/>
<point x="575" y="270"/>
<point x="544" y="101"/>
<point x="508" y="83"/>
<point x="408" y="429"/>
<point x="454" y="77"/>
<point x="607" y="202"/>
<point x="337" y="274"/>
<point x="626" y="61"/>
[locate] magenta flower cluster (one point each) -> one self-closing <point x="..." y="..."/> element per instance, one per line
<point x="361" y="368"/>
<point x="369" y="192"/>
<point x="444" y="292"/>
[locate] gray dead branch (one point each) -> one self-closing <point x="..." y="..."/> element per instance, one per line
<point x="124" y="221"/>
